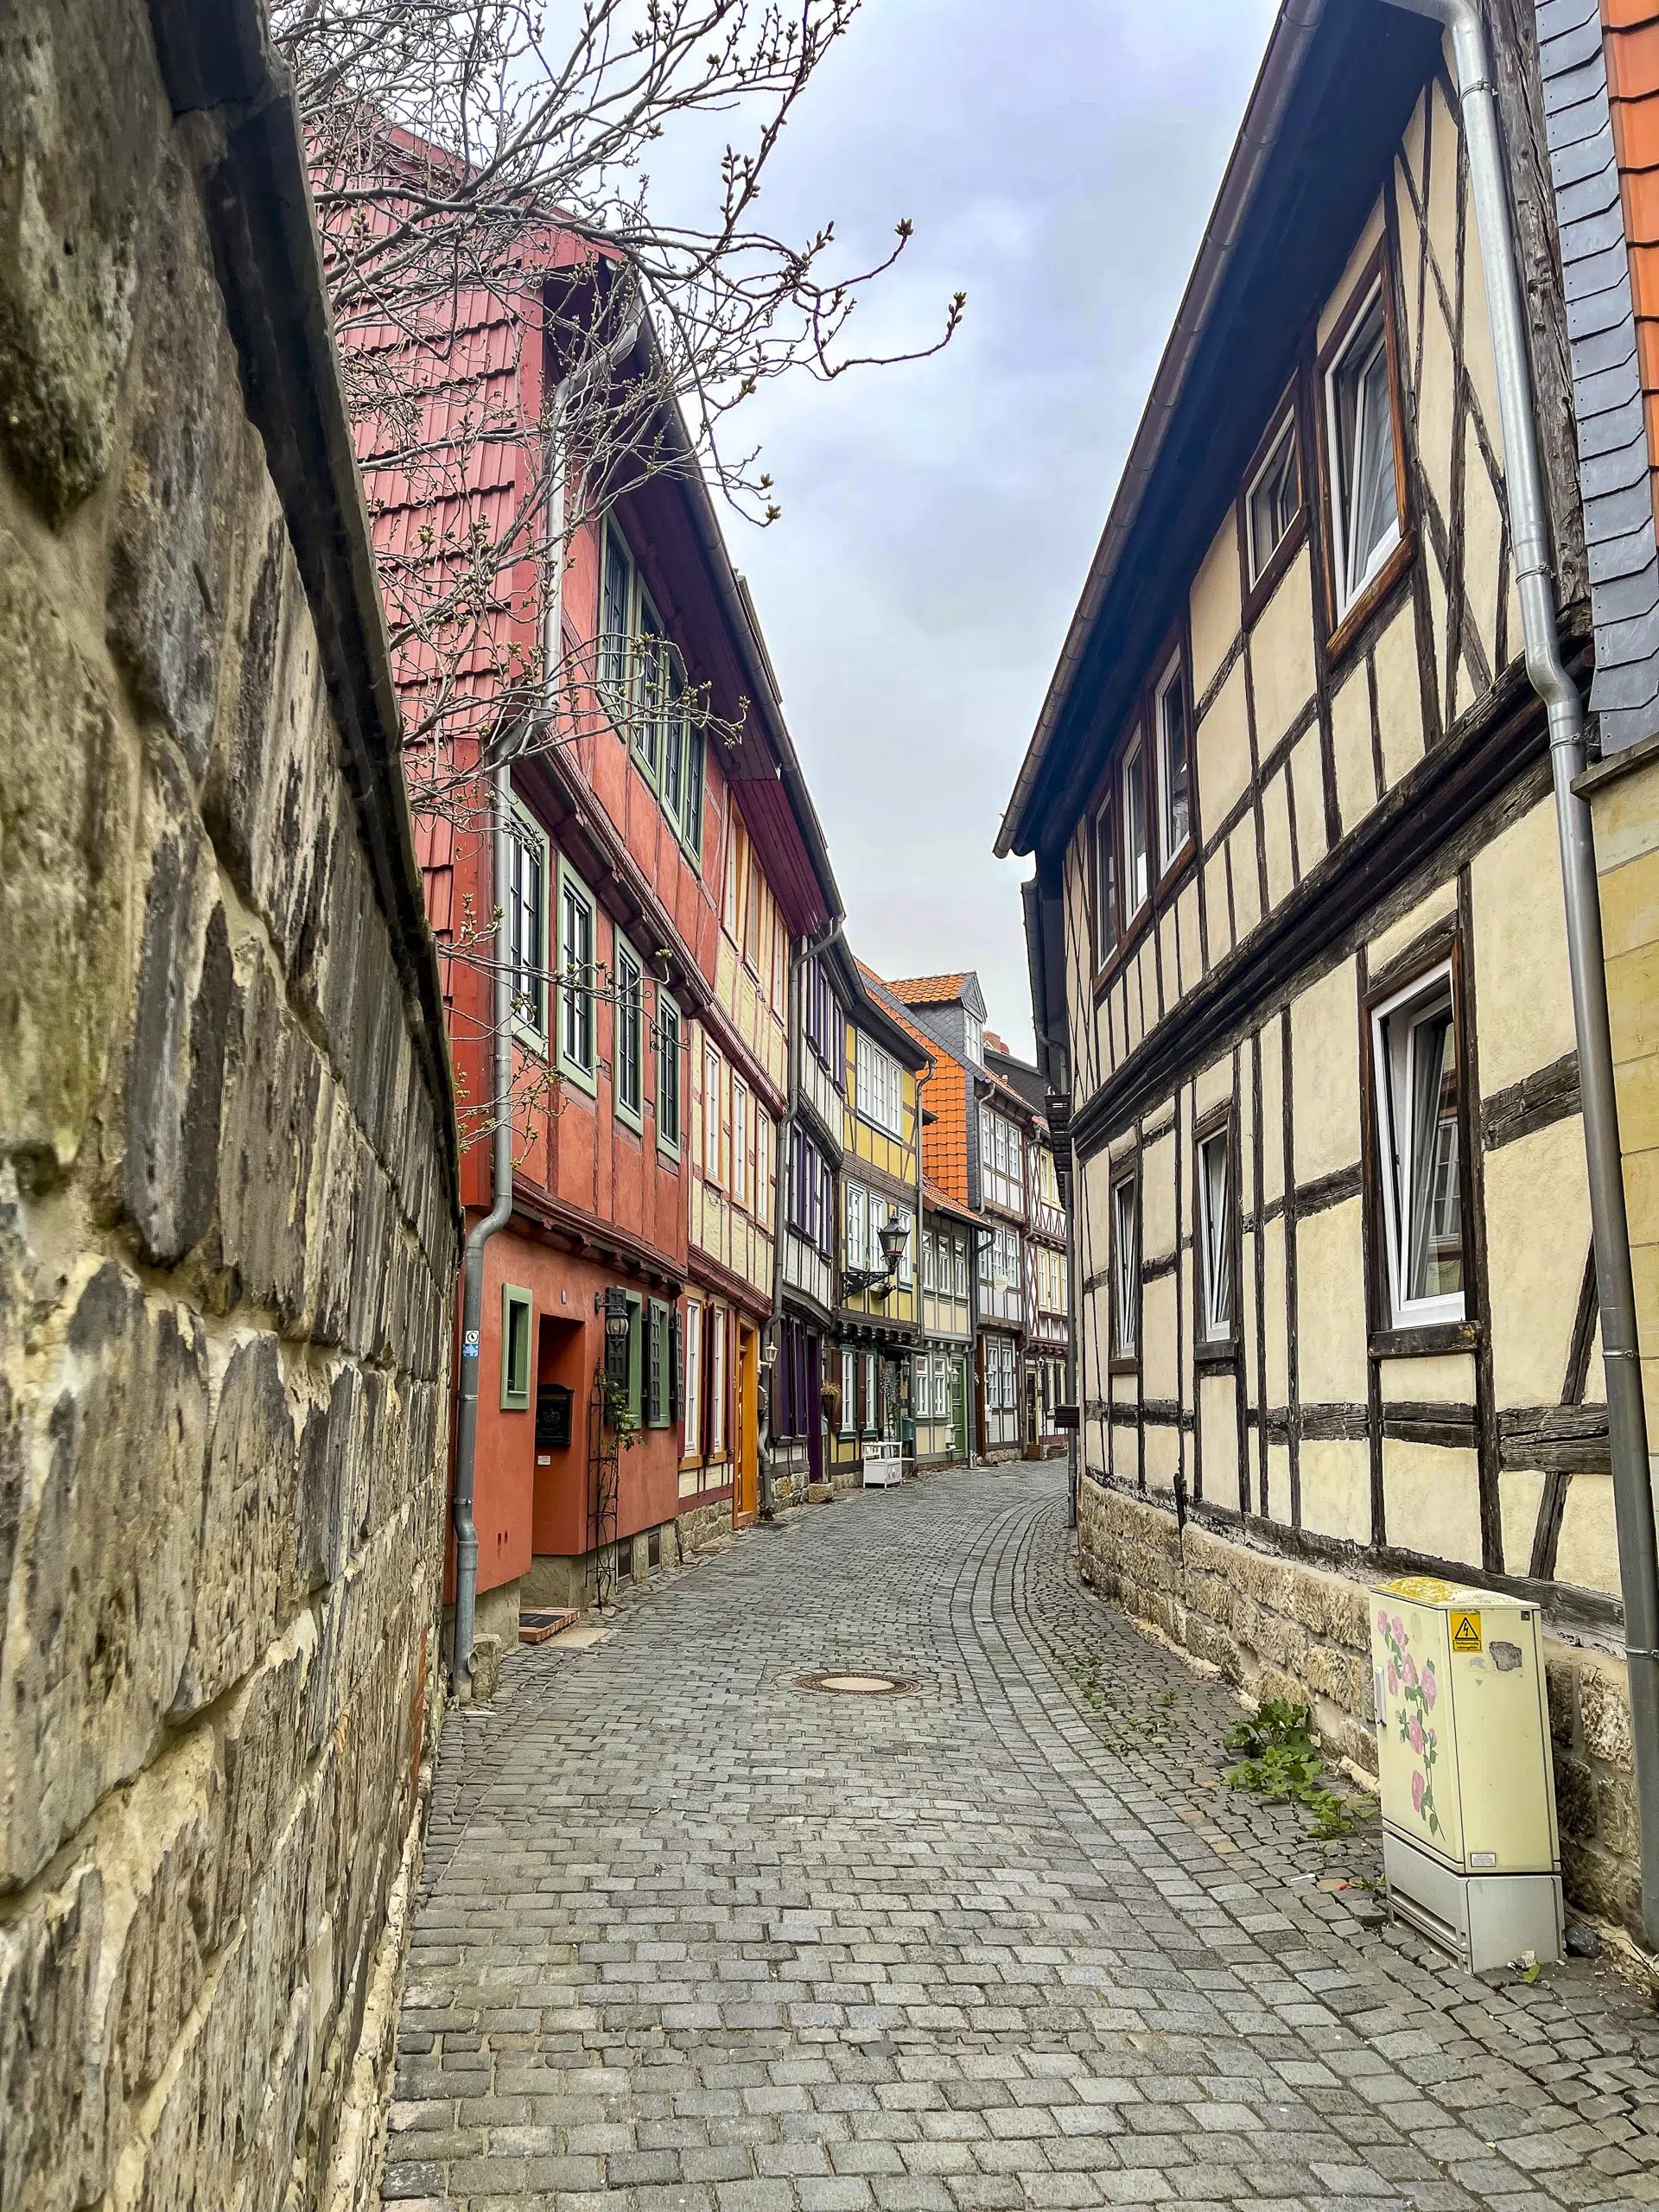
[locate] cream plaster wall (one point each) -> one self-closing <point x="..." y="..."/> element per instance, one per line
<point x="1350" y="738"/>
<point x="1399" y="697"/>
<point x="1446" y="1378"/>
<point x="1336" y="1489"/>
<point x="1520" y="1491"/>
<point x="1330" y="1338"/>
<point x="1537" y="1238"/>
<point x="1588" y="1551"/>
<point x="1365" y="245"/>
<point x="1388" y="944"/>
<point x="1218" y="1438"/>
<point x="1307" y="785"/>
<point x="1213" y="606"/>
<point x="1433" y="1501"/>
<point x="1523" y="994"/>
<point x="1281" y="654"/>
<point x="1223" y="751"/>
<point x="1325" y="1074"/>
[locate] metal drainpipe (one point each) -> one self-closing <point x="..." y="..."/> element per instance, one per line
<point x="472" y="1305"/>
<point x="471" y="1312"/>
<point x="1638" y="1562"/>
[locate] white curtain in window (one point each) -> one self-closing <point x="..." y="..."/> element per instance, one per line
<point x="1215" y="1198"/>
<point x="1124" y="1263"/>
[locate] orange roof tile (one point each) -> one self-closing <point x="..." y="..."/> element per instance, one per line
<point x="928" y="990"/>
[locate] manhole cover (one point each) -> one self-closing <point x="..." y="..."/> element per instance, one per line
<point x="857" y="1685"/>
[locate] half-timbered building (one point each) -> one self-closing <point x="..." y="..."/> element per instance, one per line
<point x="809" y="1211"/>
<point x="1047" y="1285"/>
<point x="878" y="1304"/>
<point x="1297" y="934"/>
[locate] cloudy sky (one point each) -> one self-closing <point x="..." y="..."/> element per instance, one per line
<point x="1059" y="163"/>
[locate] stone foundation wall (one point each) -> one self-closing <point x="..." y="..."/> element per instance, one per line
<point x="228" y="1204"/>
<point x="1280" y="1627"/>
<point x="699" y="1526"/>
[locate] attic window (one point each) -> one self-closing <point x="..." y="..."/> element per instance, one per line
<point x="1364" y="495"/>
<point x="1274" y="500"/>
<point x="973" y="1039"/>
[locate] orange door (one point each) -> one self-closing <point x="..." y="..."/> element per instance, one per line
<point x="748" y="1459"/>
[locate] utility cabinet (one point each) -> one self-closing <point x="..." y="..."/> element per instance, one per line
<point x="1469" y="1841"/>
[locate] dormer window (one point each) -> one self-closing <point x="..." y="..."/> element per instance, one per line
<point x="973" y="1039"/>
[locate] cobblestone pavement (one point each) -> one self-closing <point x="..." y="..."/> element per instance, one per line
<point x="693" y="1940"/>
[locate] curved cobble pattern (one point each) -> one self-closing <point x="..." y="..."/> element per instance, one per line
<point x="692" y="1940"/>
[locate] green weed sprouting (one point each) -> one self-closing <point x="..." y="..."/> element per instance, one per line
<point x="1283" y="1766"/>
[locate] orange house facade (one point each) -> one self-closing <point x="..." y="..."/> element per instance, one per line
<point x="623" y="1295"/>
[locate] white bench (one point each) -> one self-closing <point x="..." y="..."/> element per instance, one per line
<point x="884" y="1465"/>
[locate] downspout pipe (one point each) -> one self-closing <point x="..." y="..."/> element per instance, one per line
<point x="472" y="1296"/>
<point x="1638" y="1559"/>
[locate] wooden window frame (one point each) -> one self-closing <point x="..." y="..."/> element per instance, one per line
<point x="1389" y="1337"/>
<point x="516" y="1301"/>
<point x="1135" y="917"/>
<point x="711" y="1053"/>
<point x="1345" y="624"/>
<point x="1141" y="727"/>
<point x="1102" y="823"/>
<point x="1223" y="1350"/>
<point x="1125" y="1361"/>
<point x="738" y="1183"/>
<point x="1254" y="592"/>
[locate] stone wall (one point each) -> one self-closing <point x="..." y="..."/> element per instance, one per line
<point x="1276" y="1626"/>
<point x="228" y="1204"/>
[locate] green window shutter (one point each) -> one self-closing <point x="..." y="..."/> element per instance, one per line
<point x="516" y="1308"/>
<point x="636" y="1359"/>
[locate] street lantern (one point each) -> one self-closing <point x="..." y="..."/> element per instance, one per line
<point x="616" y="1312"/>
<point x="895" y="1237"/>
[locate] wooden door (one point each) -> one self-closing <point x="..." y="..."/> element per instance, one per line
<point x="743" y="1490"/>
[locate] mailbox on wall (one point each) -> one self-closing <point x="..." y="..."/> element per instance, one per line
<point x="552" y="1418"/>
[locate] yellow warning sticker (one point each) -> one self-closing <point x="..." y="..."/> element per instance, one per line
<point x="1466" y="1632"/>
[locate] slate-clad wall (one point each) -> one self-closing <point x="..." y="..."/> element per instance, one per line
<point x="1614" y="457"/>
<point x="228" y="1219"/>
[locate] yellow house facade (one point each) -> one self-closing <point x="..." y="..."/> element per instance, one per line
<point x="1300" y="965"/>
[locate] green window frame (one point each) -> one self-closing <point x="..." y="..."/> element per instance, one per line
<point x="578" y="936"/>
<point x="653" y="662"/>
<point x="636" y="1358"/>
<point x="657" y="1357"/>
<point x="517" y="1311"/>
<point x="615" y="622"/>
<point x="628" y="1035"/>
<point x="522" y="899"/>
<point x="669" y="1087"/>
<point x="691" y="822"/>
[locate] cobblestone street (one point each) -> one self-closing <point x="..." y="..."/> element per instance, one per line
<point x="691" y="1939"/>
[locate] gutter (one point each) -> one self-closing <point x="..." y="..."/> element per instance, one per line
<point x="1638" y="1560"/>
<point x="1275" y="83"/>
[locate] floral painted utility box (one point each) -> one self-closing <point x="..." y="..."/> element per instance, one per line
<point x="1470" y="1840"/>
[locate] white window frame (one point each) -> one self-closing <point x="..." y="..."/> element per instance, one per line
<point x="693" y="1409"/>
<point x="1349" y="585"/>
<point x="1172" y="682"/>
<point x="973" y="1038"/>
<point x="879" y="1095"/>
<point x="848" y="1422"/>
<point x="1135" y="757"/>
<point x="1216" y="1294"/>
<point x="740" y="1178"/>
<point x="716" y="1381"/>
<point x="711" y="1114"/>
<point x="856" y="1224"/>
<point x="1394" y="1071"/>
<point x="577" y="998"/>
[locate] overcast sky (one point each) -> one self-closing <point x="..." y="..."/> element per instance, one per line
<point x="1059" y="163"/>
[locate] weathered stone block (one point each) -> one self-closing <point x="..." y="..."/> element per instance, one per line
<point x="1605" y="1711"/>
<point x="102" y="1605"/>
<point x="170" y="556"/>
<point x="1561" y="1684"/>
<point x="48" y="1962"/>
<point x="175" y="1068"/>
<point x="268" y="1143"/>
<point x="1575" y="1796"/>
<point x="66" y="803"/>
<point x="82" y="121"/>
<point x="246" y="1528"/>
